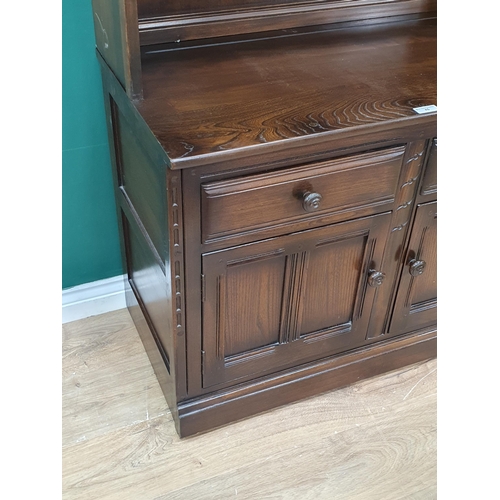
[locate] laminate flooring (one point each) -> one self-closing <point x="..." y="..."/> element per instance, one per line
<point x="372" y="440"/>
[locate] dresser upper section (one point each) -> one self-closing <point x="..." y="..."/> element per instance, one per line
<point x="180" y="20"/>
<point x="275" y="94"/>
<point x="205" y="104"/>
<point x="122" y="27"/>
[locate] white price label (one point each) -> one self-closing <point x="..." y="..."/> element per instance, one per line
<point x="425" y="109"/>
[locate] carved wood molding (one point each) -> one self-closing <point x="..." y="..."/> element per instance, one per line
<point x="177" y="252"/>
<point x="410" y="175"/>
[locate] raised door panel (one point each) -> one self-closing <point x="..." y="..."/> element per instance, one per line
<point x="416" y="301"/>
<point x="273" y="304"/>
<point x="333" y="278"/>
<point x="251" y="290"/>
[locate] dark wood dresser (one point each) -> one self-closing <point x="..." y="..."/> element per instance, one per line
<point x="275" y="176"/>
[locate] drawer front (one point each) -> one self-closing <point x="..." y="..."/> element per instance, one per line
<point x="345" y="185"/>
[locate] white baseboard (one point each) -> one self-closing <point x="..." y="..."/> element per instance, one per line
<point x="94" y="298"/>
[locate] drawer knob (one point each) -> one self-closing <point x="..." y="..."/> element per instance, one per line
<point x="311" y="201"/>
<point x="417" y="267"/>
<point x="376" y="278"/>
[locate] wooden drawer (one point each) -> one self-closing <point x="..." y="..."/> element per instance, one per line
<point x="348" y="185"/>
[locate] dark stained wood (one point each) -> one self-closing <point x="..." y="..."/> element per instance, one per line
<point x="147" y="280"/>
<point x="219" y="408"/>
<point x="235" y="96"/>
<point x="157" y="8"/>
<point x="149" y="290"/>
<point x="121" y="115"/>
<point x="194" y="178"/>
<point x="403" y="210"/>
<point x="152" y="208"/>
<point x="117" y="39"/>
<point x="274" y="193"/>
<point x="429" y="182"/>
<point x="250" y="203"/>
<point x="143" y="183"/>
<point x="217" y="173"/>
<point x="317" y="147"/>
<point x="174" y="21"/>
<point x="332" y="286"/>
<point x="288" y="300"/>
<point x="248" y="304"/>
<point x="416" y="304"/>
<point x="194" y="280"/>
<point x="142" y="132"/>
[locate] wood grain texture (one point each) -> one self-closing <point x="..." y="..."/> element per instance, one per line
<point x="333" y="282"/>
<point x="252" y="301"/>
<point x="372" y="440"/>
<point x="348" y="185"/>
<point x="232" y="96"/>
<point x="416" y="301"/>
<point x="261" y="282"/>
<point x="400" y="226"/>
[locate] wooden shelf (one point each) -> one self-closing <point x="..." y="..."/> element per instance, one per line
<point x="203" y="101"/>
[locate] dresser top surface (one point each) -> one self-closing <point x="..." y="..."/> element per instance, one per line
<point x="201" y="102"/>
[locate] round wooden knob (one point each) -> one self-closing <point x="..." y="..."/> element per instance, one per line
<point x="376" y="278"/>
<point x="417" y="267"/>
<point x="311" y="201"/>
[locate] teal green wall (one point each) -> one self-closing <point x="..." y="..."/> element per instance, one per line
<point x="90" y="242"/>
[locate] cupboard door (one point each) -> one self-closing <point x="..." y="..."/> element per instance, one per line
<point x="282" y="301"/>
<point x="416" y="300"/>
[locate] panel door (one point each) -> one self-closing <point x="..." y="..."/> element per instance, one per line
<point x="282" y="301"/>
<point x="416" y="300"/>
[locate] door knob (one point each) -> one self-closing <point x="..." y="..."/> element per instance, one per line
<point x="311" y="201"/>
<point x="376" y="278"/>
<point x="417" y="267"/>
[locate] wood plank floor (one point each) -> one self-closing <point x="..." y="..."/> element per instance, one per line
<point x="373" y="440"/>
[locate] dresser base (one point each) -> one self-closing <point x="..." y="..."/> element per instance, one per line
<point x="207" y="412"/>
